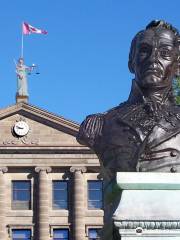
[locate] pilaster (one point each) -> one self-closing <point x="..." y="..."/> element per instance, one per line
<point x="43" y="220"/>
<point x="79" y="204"/>
<point x="3" y="202"/>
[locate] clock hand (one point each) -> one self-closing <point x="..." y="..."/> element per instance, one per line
<point x="19" y="127"/>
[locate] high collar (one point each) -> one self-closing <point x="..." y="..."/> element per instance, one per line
<point x="163" y="97"/>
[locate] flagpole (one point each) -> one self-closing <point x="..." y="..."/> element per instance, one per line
<point x="22" y="42"/>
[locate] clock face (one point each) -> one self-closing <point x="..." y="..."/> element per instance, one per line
<point x="21" y="128"/>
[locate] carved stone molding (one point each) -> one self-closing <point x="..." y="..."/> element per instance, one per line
<point x="152" y="225"/>
<point x="46" y="169"/>
<point x="3" y="169"/>
<point x="23" y="140"/>
<point x="81" y="169"/>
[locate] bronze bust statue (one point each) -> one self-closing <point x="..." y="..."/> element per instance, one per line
<point x="143" y="133"/>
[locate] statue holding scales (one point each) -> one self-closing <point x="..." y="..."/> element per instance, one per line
<point x="22" y="71"/>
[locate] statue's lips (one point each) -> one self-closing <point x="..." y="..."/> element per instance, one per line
<point x="152" y="71"/>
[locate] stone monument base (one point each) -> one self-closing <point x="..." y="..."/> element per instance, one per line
<point x="149" y="208"/>
<point x="20" y="98"/>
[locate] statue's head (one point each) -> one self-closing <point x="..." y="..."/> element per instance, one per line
<point x="155" y="55"/>
<point x="21" y="60"/>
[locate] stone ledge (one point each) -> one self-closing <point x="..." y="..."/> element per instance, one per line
<point x="59" y="213"/>
<point x="20" y="213"/>
<point x="94" y="213"/>
<point x="132" y="234"/>
<point x="148" y="180"/>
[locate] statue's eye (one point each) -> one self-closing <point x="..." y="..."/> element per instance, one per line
<point x="143" y="50"/>
<point x="166" y="52"/>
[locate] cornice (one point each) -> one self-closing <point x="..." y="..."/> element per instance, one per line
<point x="27" y="109"/>
<point x="150" y="225"/>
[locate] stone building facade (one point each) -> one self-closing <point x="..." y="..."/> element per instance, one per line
<point x="38" y="161"/>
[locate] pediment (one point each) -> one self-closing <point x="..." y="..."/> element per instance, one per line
<point x="45" y="129"/>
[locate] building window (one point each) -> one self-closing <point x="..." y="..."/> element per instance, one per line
<point x="95" y="198"/>
<point x="60" y="234"/>
<point x="60" y="195"/>
<point x="94" y="234"/>
<point x="21" y="195"/>
<point x="21" y="234"/>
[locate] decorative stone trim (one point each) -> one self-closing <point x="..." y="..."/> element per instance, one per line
<point x="81" y="169"/>
<point x="23" y="140"/>
<point x="150" y="225"/>
<point x="3" y="169"/>
<point x="47" y="169"/>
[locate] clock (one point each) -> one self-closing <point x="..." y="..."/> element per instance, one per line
<point x="21" y="128"/>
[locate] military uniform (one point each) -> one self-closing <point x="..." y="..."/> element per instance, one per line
<point x="136" y="135"/>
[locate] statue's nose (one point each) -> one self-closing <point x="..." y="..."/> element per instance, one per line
<point x="154" y="54"/>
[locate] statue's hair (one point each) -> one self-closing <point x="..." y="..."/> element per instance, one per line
<point x="164" y="25"/>
<point x="155" y="24"/>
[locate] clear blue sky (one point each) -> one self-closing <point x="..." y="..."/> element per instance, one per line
<point x="83" y="59"/>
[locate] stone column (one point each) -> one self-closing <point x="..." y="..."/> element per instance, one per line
<point x="2" y="203"/>
<point x="43" y="209"/>
<point x="78" y="203"/>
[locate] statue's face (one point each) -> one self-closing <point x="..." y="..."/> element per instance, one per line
<point x="156" y="58"/>
<point x="21" y="61"/>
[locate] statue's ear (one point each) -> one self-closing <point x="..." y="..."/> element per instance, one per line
<point x="177" y="72"/>
<point x="132" y="55"/>
<point x="131" y="66"/>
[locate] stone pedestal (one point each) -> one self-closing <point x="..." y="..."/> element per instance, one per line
<point x="149" y="208"/>
<point x="21" y="98"/>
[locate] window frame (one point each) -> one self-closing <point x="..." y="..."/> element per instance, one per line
<point x="60" y="228"/>
<point x="12" y="227"/>
<point x="102" y="201"/>
<point x="67" y="194"/>
<point x="25" y="229"/>
<point x="88" y="227"/>
<point x="30" y="194"/>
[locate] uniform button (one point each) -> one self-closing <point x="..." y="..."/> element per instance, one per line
<point x="142" y="169"/>
<point x="173" y="170"/>
<point x="173" y="153"/>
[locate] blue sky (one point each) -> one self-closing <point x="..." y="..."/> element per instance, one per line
<point x="83" y="59"/>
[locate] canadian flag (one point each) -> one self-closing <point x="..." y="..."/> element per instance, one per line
<point x="28" y="29"/>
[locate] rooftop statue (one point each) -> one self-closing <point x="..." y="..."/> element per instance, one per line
<point x="21" y="71"/>
<point x="143" y="133"/>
